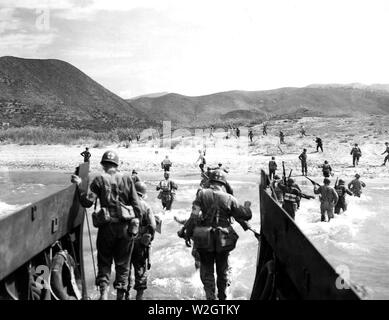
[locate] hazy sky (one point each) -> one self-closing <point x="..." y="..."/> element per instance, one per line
<point x="200" y="47"/>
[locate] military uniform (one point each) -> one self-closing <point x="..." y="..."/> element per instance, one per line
<point x="341" y="190"/>
<point x="356" y="153"/>
<point x="272" y="168"/>
<point x="113" y="240"/>
<point x="291" y="197"/>
<point x="319" y="144"/>
<point x="167" y="190"/>
<point x="326" y="170"/>
<point x="86" y="154"/>
<point x="140" y="255"/>
<point x="355" y="187"/>
<point x="328" y="200"/>
<point x="217" y="208"/>
<point x="387" y="156"/>
<point x="304" y="166"/>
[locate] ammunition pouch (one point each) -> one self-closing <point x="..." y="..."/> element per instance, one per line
<point x="202" y="238"/>
<point x="101" y="217"/>
<point x="226" y="239"/>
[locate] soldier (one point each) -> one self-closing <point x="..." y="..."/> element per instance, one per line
<point x="272" y="167"/>
<point x="327" y="170"/>
<point x="140" y="257"/>
<point x="114" y="191"/>
<point x="251" y="135"/>
<point x="319" y="144"/>
<point x="356" y="186"/>
<point x="134" y="176"/>
<point x="202" y="160"/>
<point x="356" y="153"/>
<point x="328" y="199"/>
<point x="237" y="130"/>
<point x="167" y="191"/>
<point x="291" y="197"/>
<point x="282" y="136"/>
<point x="212" y="233"/>
<point x="264" y="130"/>
<point x="303" y="159"/>
<point x="341" y="190"/>
<point x="86" y="154"/>
<point x="386" y="151"/>
<point x="166" y="164"/>
<point x="276" y="190"/>
<point x="302" y="131"/>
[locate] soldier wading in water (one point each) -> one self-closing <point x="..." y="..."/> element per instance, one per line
<point x="116" y="224"/>
<point x="212" y="233"/>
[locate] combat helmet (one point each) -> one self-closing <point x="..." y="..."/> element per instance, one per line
<point x="141" y="188"/>
<point x="110" y="157"/>
<point x="218" y="176"/>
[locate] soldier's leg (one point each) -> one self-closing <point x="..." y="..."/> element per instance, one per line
<point x="338" y="207"/>
<point x="104" y="244"/>
<point x="330" y="212"/>
<point x="222" y="274"/>
<point x="121" y="253"/>
<point x="323" y="213"/>
<point x="207" y="276"/>
<point x="196" y="256"/>
<point x="140" y="269"/>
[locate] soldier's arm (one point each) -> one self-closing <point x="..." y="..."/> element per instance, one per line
<point x="348" y="191"/>
<point x="151" y="219"/>
<point x="158" y="186"/>
<point x="316" y="190"/>
<point x="174" y="185"/>
<point x="336" y="196"/>
<point x="363" y="184"/>
<point x="240" y="212"/>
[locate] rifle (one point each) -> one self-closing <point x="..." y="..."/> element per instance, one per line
<point x="290" y="173"/>
<point x="313" y="182"/>
<point x="336" y="182"/>
<point x="283" y="172"/>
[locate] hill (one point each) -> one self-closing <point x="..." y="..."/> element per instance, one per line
<point x="256" y="106"/>
<point x="56" y="94"/>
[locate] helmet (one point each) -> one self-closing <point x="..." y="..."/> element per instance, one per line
<point x="134" y="172"/>
<point x="141" y="188"/>
<point x="326" y="181"/>
<point x="166" y="174"/>
<point x="386" y="143"/>
<point x="341" y="181"/>
<point x="219" y="164"/>
<point x="218" y="176"/>
<point x="325" y="161"/>
<point x="110" y="157"/>
<point x="290" y="181"/>
<point x="357" y="176"/>
<point x="304" y="149"/>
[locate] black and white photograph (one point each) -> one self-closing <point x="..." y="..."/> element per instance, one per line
<point x="184" y="152"/>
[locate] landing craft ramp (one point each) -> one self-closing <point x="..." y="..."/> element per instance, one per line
<point x="289" y="266"/>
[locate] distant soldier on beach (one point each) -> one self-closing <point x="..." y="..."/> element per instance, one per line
<point x="86" y="154"/>
<point x="341" y="190"/>
<point x="319" y="144"/>
<point x="302" y="132"/>
<point x="303" y="159"/>
<point x="326" y="168"/>
<point x="356" y="186"/>
<point x="264" y="129"/>
<point x="282" y="136"/>
<point x="166" y="164"/>
<point x="386" y="151"/>
<point x="356" y="153"/>
<point x="251" y="135"/>
<point x="202" y="160"/>
<point x="272" y="167"/>
<point x="328" y="199"/>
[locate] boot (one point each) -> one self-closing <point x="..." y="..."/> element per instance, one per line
<point x="103" y="293"/>
<point x="139" y="294"/>
<point x="120" y="294"/>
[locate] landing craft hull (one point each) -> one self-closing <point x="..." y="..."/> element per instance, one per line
<point x="298" y="270"/>
<point x="27" y="238"/>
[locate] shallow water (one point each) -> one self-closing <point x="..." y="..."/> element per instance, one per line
<point x="357" y="239"/>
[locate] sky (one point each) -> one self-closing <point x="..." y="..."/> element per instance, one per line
<point x="136" y="47"/>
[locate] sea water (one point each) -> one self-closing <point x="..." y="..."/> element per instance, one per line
<point x="356" y="240"/>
